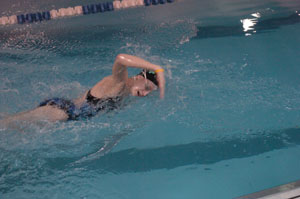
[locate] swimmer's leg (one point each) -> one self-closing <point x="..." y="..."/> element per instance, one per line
<point x="43" y="113"/>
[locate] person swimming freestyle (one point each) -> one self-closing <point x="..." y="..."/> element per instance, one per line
<point x="103" y="95"/>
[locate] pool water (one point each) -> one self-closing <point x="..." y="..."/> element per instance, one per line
<point x="228" y="126"/>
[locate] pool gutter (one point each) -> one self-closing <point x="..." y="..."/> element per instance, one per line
<point x="287" y="191"/>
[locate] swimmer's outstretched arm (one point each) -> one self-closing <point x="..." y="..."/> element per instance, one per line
<point x="123" y="61"/>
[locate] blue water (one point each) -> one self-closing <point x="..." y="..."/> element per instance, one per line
<point x="228" y="125"/>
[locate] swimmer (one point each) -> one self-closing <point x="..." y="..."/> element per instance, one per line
<point x="102" y="96"/>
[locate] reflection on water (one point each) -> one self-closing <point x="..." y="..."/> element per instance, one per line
<point x="249" y="26"/>
<point x="170" y="157"/>
<point x="142" y="160"/>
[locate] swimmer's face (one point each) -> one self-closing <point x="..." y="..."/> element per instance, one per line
<point x="142" y="86"/>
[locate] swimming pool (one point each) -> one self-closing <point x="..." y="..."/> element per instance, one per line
<point x="228" y="125"/>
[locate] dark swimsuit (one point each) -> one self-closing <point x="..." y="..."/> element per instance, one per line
<point x="89" y="108"/>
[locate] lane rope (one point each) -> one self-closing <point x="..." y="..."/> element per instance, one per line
<point x="78" y="10"/>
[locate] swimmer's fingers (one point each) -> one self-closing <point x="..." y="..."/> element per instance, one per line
<point x="161" y="84"/>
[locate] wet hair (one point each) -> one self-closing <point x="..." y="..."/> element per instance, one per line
<point x="150" y="75"/>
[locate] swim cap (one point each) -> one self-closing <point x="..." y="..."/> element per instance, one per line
<point x="150" y="75"/>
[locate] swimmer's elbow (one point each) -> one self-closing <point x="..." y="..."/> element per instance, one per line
<point x="121" y="58"/>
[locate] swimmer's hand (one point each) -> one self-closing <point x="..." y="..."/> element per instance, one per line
<point x="161" y="83"/>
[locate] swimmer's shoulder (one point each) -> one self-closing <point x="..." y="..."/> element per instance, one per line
<point x="108" y="87"/>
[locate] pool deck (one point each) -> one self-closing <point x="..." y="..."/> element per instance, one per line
<point x="287" y="191"/>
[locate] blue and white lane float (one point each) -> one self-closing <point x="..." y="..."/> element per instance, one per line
<point x="78" y="10"/>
